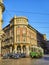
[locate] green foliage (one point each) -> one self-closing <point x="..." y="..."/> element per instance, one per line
<point x="33" y="54"/>
<point x="37" y="53"/>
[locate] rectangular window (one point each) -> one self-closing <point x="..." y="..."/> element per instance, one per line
<point x="24" y="33"/>
<point x="18" y="39"/>
<point x="18" y="32"/>
<point x="11" y="32"/>
<point x="28" y="39"/>
<point x="24" y="39"/>
<point x="28" y="33"/>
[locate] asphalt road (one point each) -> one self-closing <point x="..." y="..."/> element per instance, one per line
<point x="26" y="61"/>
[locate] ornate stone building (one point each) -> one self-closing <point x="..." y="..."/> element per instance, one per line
<point x="20" y="36"/>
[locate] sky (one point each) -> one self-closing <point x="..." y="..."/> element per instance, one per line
<point x="37" y="12"/>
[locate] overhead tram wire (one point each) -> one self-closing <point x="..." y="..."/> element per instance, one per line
<point x="32" y="22"/>
<point x="28" y="12"/>
<point x="42" y="22"/>
<point x="8" y="13"/>
<point x="42" y="27"/>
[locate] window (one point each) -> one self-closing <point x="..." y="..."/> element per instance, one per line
<point x="24" y="31"/>
<point x="18" y="39"/>
<point x="18" y="32"/>
<point x="11" y="32"/>
<point x="28" y="33"/>
<point x="28" y="40"/>
<point x="24" y="39"/>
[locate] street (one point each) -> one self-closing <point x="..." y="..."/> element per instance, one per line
<point x="26" y="61"/>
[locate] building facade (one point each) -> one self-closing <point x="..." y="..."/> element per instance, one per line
<point x="20" y="36"/>
<point x="2" y="8"/>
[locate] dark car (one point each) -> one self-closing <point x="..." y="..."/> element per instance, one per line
<point x="10" y="55"/>
<point x="6" y="56"/>
<point x="16" y="56"/>
<point x="23" y="55"/>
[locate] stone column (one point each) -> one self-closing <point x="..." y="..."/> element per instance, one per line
<point x="21" y="49"/>
<point x="15" y="48"/>
<point x="27" y="51"/>
<point x="10" y="49"/>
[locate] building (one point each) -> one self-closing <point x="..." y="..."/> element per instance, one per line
<point x="1" y="31"/>
<point x="47" y="47"/>
<point x="20" y="36"/>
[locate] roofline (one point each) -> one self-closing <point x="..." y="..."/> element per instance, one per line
<point x="34" y="29"/>
<point x="15" y="17"/>
<point x="6" y="26"/>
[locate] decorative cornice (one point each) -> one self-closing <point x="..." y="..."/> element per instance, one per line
<point x="20" y="17"/>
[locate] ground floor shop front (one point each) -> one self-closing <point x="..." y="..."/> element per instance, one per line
<point x="17" y="48"/>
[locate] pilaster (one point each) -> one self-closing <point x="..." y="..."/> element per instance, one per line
<point x="21" y="49"/>
<point x="27" y="50"/>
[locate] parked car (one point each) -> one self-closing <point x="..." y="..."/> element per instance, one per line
<point x="23" y="55"/>
<point x="9" y="55"/>
<point x="5" y="56"/>
<point x="15" y="56"/>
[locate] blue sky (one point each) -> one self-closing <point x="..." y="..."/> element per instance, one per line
<point x="37" y="12"/>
